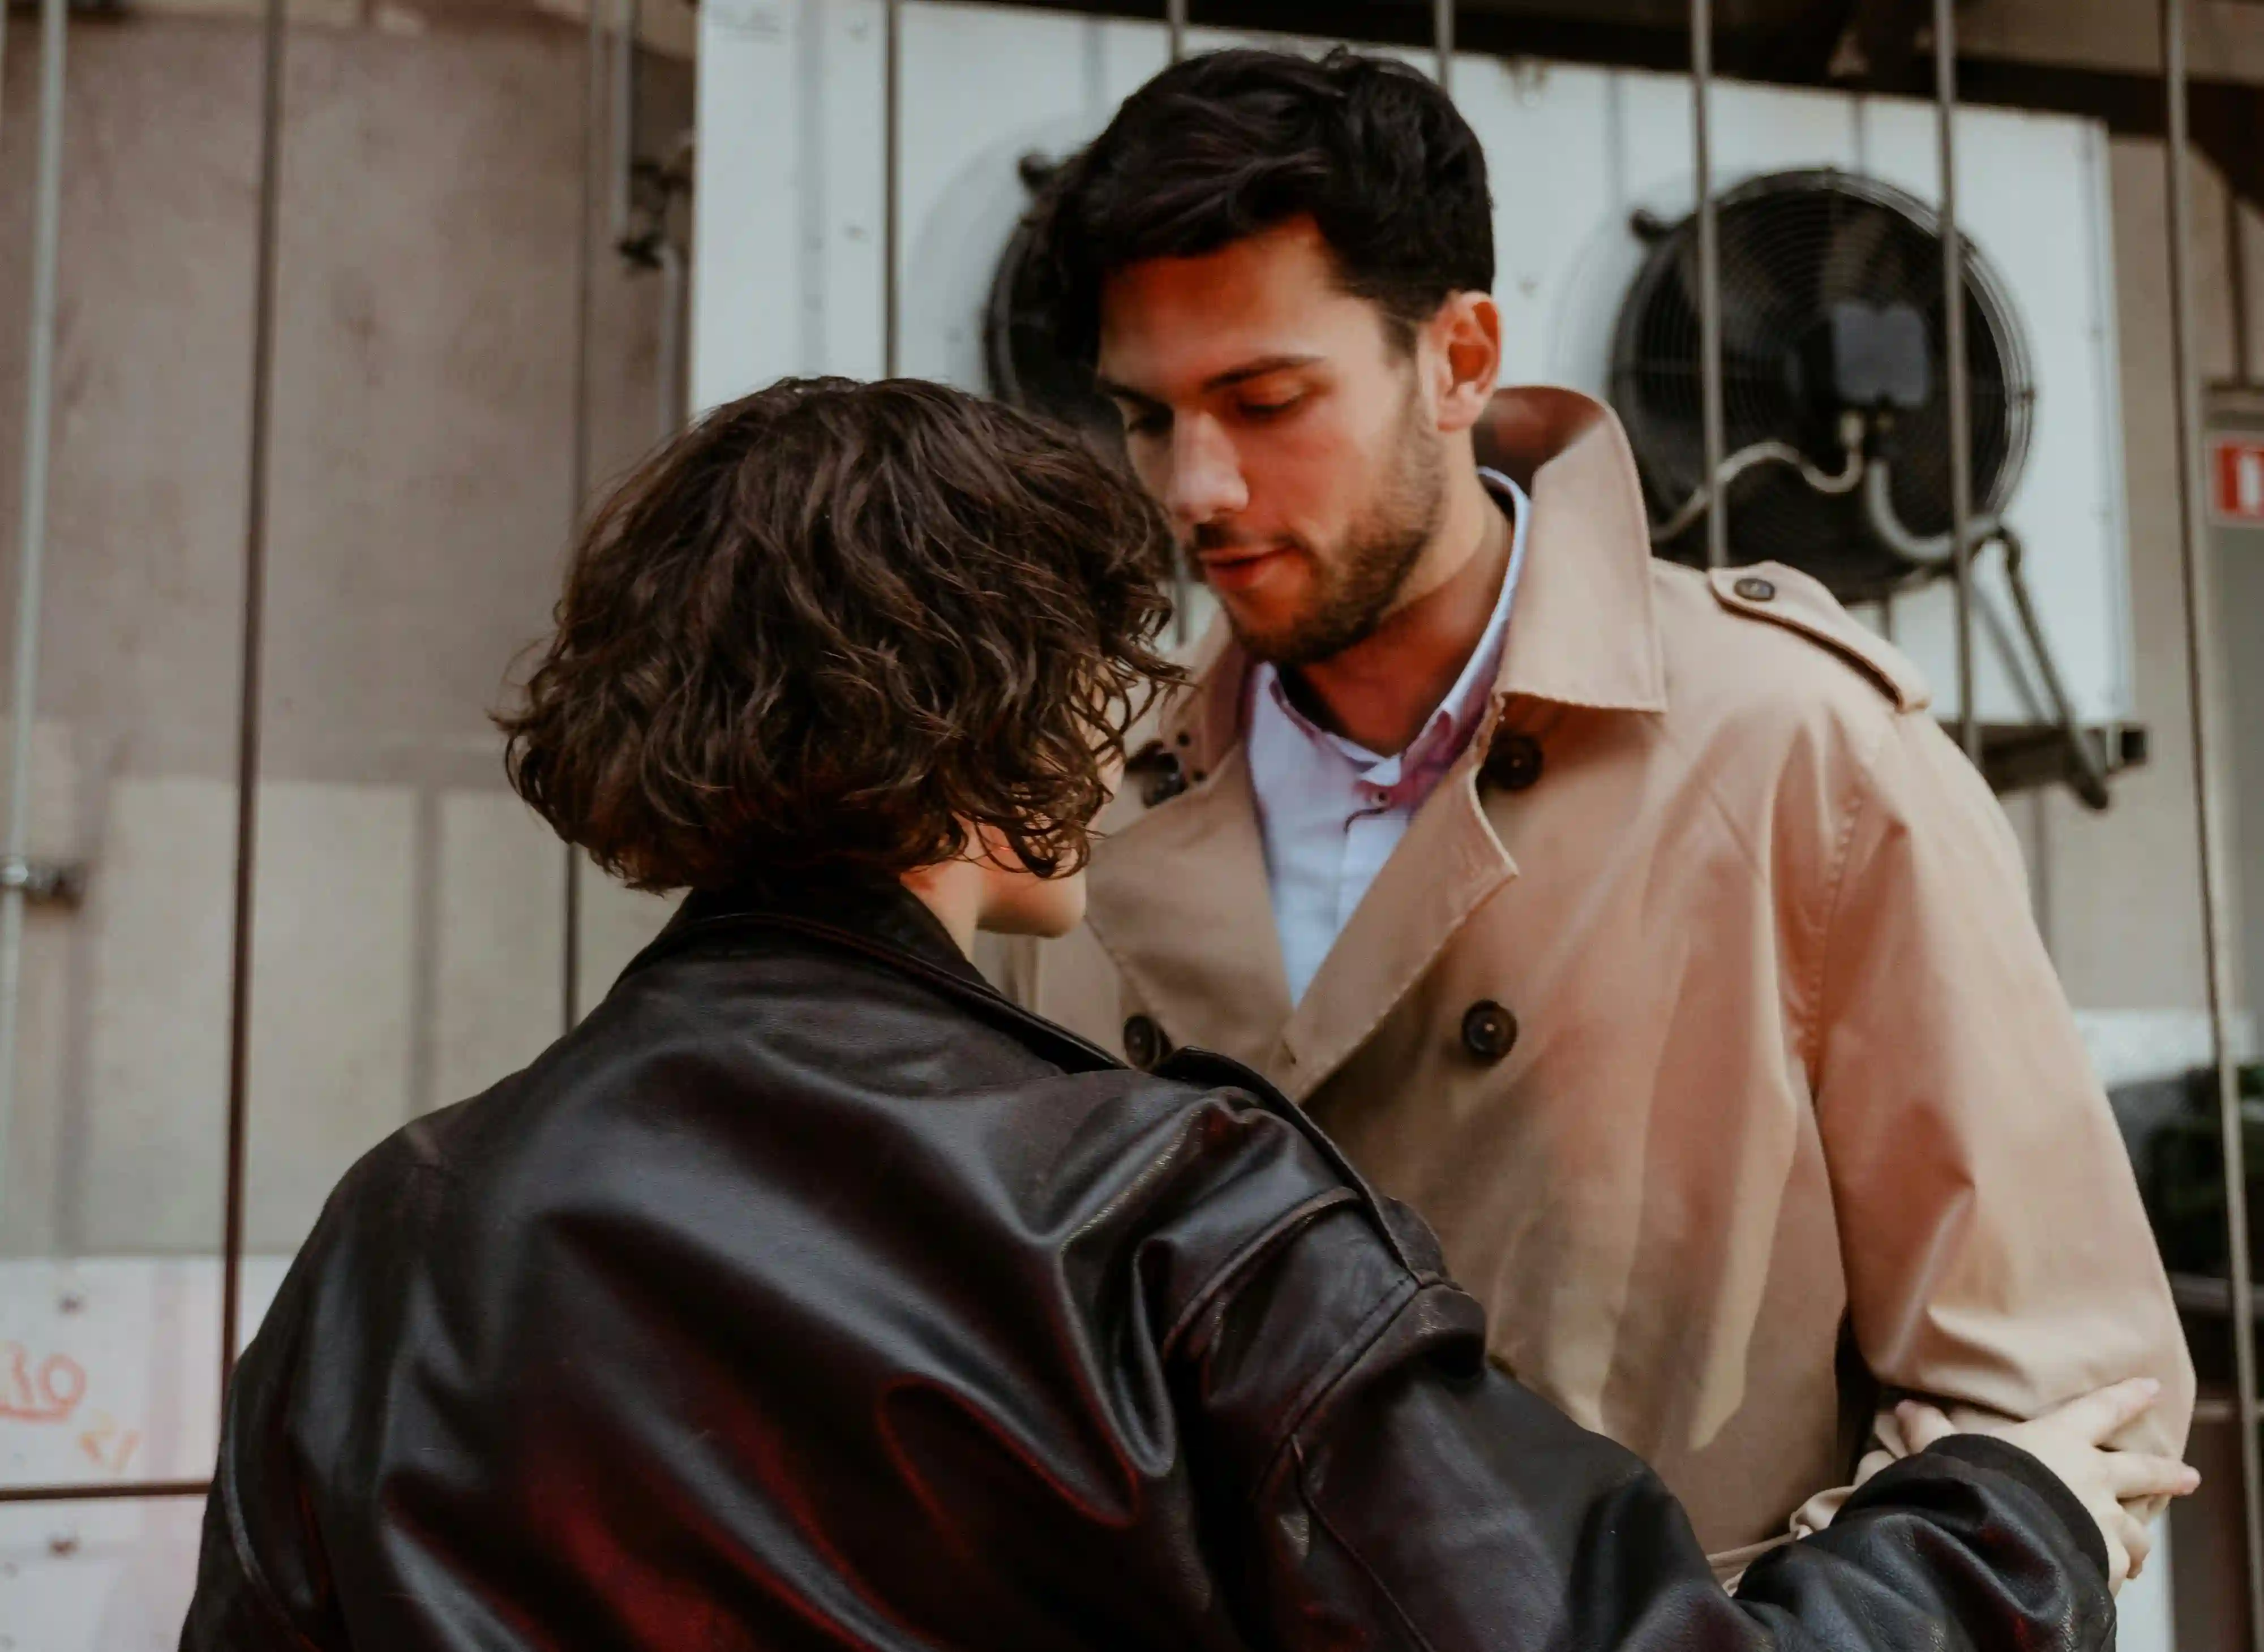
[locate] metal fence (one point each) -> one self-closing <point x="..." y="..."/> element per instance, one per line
<point x="609" y="42"/>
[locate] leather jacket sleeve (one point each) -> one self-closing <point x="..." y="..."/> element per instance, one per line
<point x="1400" y="1492"/>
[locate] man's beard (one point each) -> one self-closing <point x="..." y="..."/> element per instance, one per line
<point x="1355" y="589"/>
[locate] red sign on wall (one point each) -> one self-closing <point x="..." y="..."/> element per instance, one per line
<point x="2237" y="480"/>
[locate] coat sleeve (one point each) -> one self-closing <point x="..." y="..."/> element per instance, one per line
<point x="1388" y="1488"/>
<point x="262" y="1585"/>
<point x="1998" y="1258"/>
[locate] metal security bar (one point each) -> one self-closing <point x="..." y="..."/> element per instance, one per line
<point x="2204" y="670"/>
<point x="1959" y="386"/>
<point x="600" y="176"/>
<point x="2205" y="675"/>
<point x="31" y="539"/>
<point x="248" y="727"/>
<point x="892" y="228"/>
<point x="1710" y="280"/>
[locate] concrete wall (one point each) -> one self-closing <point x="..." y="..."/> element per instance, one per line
<point x="2117" y="893"/>
<point x="409" y="915"/>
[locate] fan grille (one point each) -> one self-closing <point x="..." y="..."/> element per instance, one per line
<point x="1019" y="358"/>
<point x="1794" y="246"/>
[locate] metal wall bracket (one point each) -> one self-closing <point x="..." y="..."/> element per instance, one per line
<point x="2020" y="758"/>
<point x="45" y="882"/>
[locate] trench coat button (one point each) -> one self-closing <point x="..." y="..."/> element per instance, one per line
<point x="1144" y="1043"/>
<point x="1164" y="781"/>
<point x="1755" y="589"/>
<point x="1157" y="773"/>
<point x="1489" y="1031"/>
<point x="1513" y="763"/>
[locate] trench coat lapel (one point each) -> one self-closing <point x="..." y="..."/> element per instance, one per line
<point x="1449" y="864"/>
<point x="1179" y="900"/>
<point x="1179" y="896"/>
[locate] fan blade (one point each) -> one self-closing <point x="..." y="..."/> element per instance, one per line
<point x="1860" y="252"/>
<point x="1757" y="296"/>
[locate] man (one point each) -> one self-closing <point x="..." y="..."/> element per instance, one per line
<point x="811" y="1294"/>
<point x="1638" y="926"/>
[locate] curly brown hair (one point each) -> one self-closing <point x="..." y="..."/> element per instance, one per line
<point x="831" y="626"/>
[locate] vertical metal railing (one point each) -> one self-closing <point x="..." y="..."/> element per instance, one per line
<point x="247" y="767"/>
<point x="1956" y="387"/>
<point x="622" y="111"/>
<point x="272" y="40"/>
<point x="30" y="545"/>
<point x="2203" y="686"/>
<point x="1709" y="280"/>
<point x="599" y="181"/>
<point x="1175" y="44"/>
<point x="1442" y="41"/>
<point x="2236" y="285"/>
<point x="892" y="201"/>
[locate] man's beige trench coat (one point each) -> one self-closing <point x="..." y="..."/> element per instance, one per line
<point x="1700" y="1010"/>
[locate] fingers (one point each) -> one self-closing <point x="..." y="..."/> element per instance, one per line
<point x="2118" y="1564"/>
<point x="1922" y="1424"/>
<point x="2136" y="1540"/>
<point x="2097" y="1416"/>
<point x="2138" y="1475"/>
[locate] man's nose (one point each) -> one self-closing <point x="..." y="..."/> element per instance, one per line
<point x="1205" y="482"/>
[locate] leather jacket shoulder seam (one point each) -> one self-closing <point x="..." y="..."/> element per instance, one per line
<point x="1228" y="1271"/>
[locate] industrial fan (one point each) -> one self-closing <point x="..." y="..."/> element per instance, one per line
<point x="1020" y="359"/>
<point x="1835" y="403"/>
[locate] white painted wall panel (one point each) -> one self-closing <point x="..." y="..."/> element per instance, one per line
<point x="1574" y="151"/>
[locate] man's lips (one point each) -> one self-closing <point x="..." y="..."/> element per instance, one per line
<point x="1240" y="566"/>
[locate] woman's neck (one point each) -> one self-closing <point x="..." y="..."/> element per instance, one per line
<point x="953" y="891"/>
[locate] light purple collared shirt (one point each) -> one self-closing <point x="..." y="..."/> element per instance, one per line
<point x="1331" y="811"/>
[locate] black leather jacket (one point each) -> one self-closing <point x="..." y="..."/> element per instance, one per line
<point x="812" y="1296"/>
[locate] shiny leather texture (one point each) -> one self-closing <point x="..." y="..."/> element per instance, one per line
<point x="810" y="1294"/>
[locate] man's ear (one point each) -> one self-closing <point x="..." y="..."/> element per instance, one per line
<point x="1465" y="334"/>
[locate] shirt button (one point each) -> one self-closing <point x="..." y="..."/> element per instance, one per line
<point x="1513" y="763"/>
<point x="1489" y="1031"/>
<point x="1755" y="589"/>
<point x="1144" y="1043"/>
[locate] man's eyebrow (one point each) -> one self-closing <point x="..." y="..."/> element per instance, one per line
<point x="1232" y="376"/>
<point x="1114" y="391"/>
<point x="1257" y="369"/>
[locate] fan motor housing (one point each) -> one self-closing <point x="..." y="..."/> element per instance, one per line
<point x="1833" y="304"/>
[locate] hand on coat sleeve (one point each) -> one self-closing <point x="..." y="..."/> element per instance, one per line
<point x="1998" y="1259"/>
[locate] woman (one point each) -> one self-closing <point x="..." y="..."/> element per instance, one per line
<point x="811" y="1295"/>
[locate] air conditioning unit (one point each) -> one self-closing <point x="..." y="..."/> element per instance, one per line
<point x="1831" y="283"/>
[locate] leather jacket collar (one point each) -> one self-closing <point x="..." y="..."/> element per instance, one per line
<point x="878" y="914"/>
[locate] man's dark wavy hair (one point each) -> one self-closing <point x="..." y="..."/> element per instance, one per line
<point x="829" y="626"/>
<point x="1220" y="146"/>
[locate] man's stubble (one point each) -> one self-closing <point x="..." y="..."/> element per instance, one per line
<point x="1358" y="586"/>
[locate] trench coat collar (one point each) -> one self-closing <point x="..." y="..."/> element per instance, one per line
<point x="1181" y="899"/>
